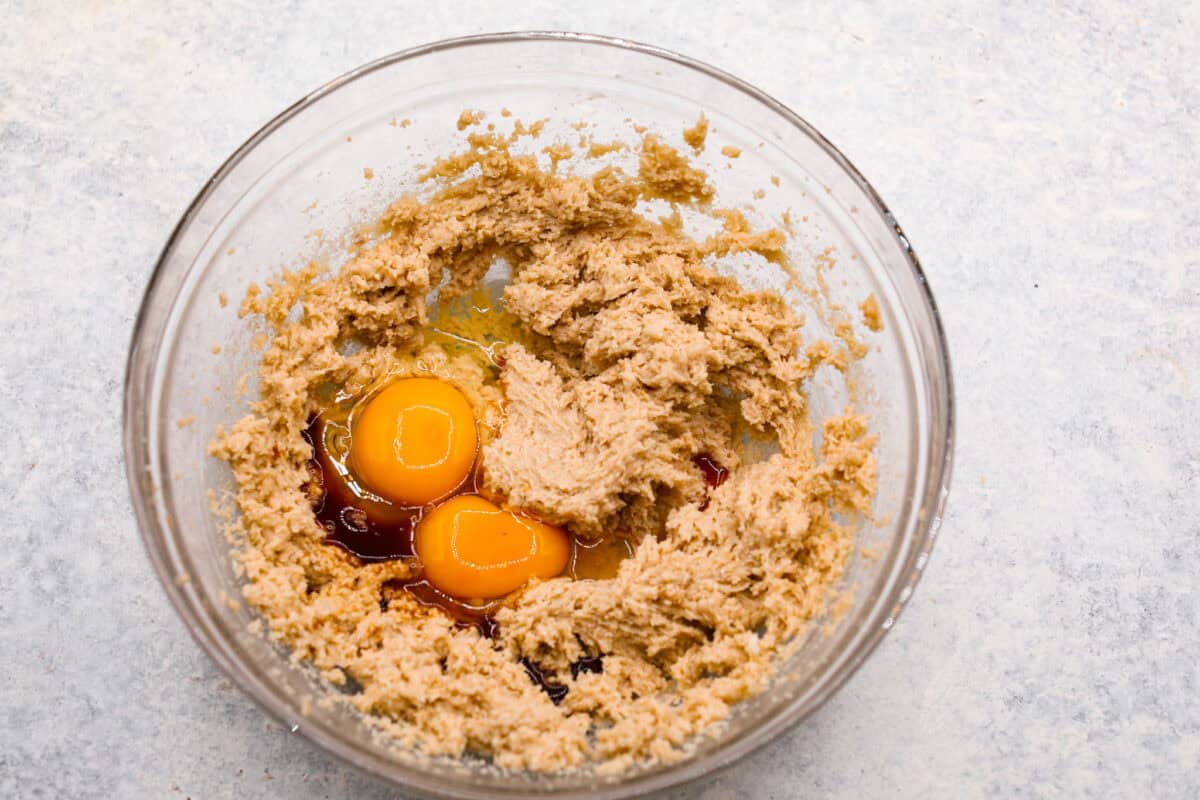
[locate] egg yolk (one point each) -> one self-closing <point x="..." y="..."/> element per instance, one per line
<point x="414" y="442"/>
<point x="472" y="549"/>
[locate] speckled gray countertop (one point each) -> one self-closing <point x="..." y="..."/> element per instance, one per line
<point x="1043" y="158"/>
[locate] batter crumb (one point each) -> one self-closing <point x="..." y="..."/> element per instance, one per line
<point x="368" y="173"/>
<point x="534" y="130"/>
<point x="598" y="149"/>
<point x="696" y="135"/>
<point x="183" y="422"/>
<point x="870" y="313"/>
<point x="468" y="118"/>
<point x="557" y="152"/>
<point x="631" y="357"/>
<point x="222" y="299"/>
<point x="666" y="173"/>
<point x="729" y="151"/>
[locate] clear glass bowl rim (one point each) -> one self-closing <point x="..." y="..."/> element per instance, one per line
<point x="886" y="610"/>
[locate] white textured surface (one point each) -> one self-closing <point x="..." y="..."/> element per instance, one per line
<point x="1044" y="161"/>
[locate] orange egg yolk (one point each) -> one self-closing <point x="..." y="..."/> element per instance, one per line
<point x="472" y="549"/>
<point x="414" y="442"/>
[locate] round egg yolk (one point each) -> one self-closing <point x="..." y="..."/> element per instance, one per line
<point x="472" y="549"/>
<point x="414" y="442"/>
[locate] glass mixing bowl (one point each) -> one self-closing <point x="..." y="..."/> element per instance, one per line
<point x="288" y="194"/>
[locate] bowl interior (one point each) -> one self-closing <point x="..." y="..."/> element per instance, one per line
<point x="300" y="186"/>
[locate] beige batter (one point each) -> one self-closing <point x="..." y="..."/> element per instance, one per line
<point x="637" y="356"/>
